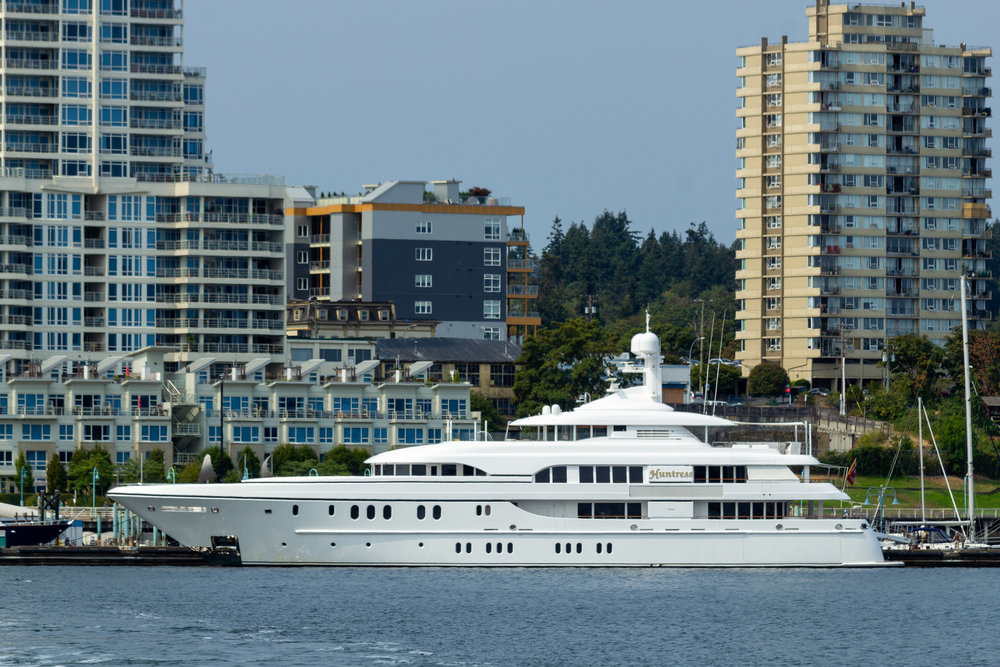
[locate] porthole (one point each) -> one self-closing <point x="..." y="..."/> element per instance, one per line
<point x="479" y="510"/>
<point x="839" y="526"/>
<point x="436" y="512"/>
<point x="330" y="510"/>
<point x="283" y="545"/>
<point x="569" y="548"/>
<point x="387" y="512"/>
<point x="421" y="512"/>
<point x="295" y="510"/>
<point x="468" y="547"/>
<point x="487" y="510"/>
<point x="421" y="545"/>
<point x="368" y="544"/>
<point x="609" y="547"/>
<point x="599" y="547"/>
<point x="499" y="547"/>
<point x="510" y="547"/>
<point x="370" y="512"/>
<point x="558" y="548"/>
<point x="333" y="544"/>
<point x="355" y="512"/>
<point x="579" y="547"/>
<point x="267" y="511"/>
<point x="458" y="547"/>
<point x="779" y="527"/>
<point x="489" y="547"/>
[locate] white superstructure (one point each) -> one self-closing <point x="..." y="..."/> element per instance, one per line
<point x="620" y="481"/>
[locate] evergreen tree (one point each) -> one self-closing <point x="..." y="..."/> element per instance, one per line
<point x="55" y="475"/>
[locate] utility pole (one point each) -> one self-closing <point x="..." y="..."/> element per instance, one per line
<point x="843" y="373"/>
<point x="590" y="310"/>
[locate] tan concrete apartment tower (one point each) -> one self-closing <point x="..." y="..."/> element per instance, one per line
<point x="862" y="190"/>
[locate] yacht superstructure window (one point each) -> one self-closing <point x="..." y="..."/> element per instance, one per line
<point x="609" y="510"/>
<point x="720" y="474"/>
<point x="421" y="470"/>
<point x="747" y="510"/>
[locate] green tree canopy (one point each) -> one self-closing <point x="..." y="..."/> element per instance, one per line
<point x="55" y="475"/>
<point x="246" y="458"/>
<point x="21" y="464"/>
<point x="561" y="363"/>
<point x="917" y="358"/>
<point x="767" y="380"/>
<point x="488" y="414"/>
<point x="288" y="459"/>
<point x="81" y="470"/>
<point x="351" y="458"/>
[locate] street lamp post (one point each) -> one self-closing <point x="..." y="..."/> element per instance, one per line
<point x="21" y="485"/>
<point x="94" y="476"/>
<point x="690" y="360"/>
<point x="172" y="475"/>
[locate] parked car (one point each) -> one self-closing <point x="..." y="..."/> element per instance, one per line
<point x="819" y="391"/>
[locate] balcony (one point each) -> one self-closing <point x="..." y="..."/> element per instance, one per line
<point x="31" y="63"/>
<point x="522" y="290"/>
<point x="155" y="40"/>
<point x="147" y="68"/>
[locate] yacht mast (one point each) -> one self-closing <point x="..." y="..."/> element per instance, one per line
<point x="968" y="419"/>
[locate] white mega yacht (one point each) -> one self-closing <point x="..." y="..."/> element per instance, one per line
<point x="620" y="481"/>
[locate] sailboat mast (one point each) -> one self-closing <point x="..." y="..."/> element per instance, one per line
<point x="920" y="451"/>
<point x="968" y="418"/>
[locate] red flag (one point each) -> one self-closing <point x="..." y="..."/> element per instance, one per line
<point x="852" y="471"/>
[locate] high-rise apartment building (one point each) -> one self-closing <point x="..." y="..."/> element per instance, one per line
<point x="862" y="196"/>
<point x="115" y="234"/>
<point x="439" y="255"/>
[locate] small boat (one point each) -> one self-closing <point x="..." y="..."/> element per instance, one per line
<point x="29" y="531"/>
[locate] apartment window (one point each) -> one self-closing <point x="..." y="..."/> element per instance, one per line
<point x="302" y="256"/>
<point x="114" y="116"/>
<point x="302" y="231"/>
<point x="773" y="242"/>
<point x="774" y="283"/>
<point x="773" y="161"/>
<point x="422" y="307"/>
<point x="424" y="254"/>
<point x="772" y="120"/>
<point x="491" y="333"/>
<point x="773" y="59"/>
<point x="773" y="100"/>
<point x="491" y="229"/>
<point x="773" y="201"/>
<point x="773" y="303"/>
<point x="773" y="141"/>
<point x="424" y="227"/>
<point x="302" y="283"/>
<point x="773" y="80"/>
<point x="491" y="256"/>
<point x="773" y="221"/>
<point x="114" y="144"/>
<point x="772" y="344"/>
<point x="114" y="89"/>
<point x="491" y="310"/>
<point x="423" y="280"/>
<point x="114" y="61"/>
<point x="491" y="282"/>
<point x="773" y="323"/>
<point x="75" y="86"/>
<point x="75" y="114"/>
<point x="773" y="182"/>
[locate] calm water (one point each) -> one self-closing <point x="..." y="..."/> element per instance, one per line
<point x="187" y="616"/>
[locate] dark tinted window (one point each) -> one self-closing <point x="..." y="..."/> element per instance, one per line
<point x="421" y="511"/>
<point x="418" y="469"/>
<point x="586" y="474"/>
<point x="371" y="512"/>
<point x="609" y="510"/>
<point x="330" y="509"/>
<point x="559" y="474"/>
<point x="619" y="474"/>
<point x="542" y="475"/>
<point x="436" y="512"/>
<point x="603" y="474"/>
<point x="635" y="510"/>
<point x="295" y="510"/>
<point x="449" y="469"/>
<point x="387" y="512"/>
<point x="355" y="512"/>
<point x="699" y="475"/>
<point x="635" y="474"/>
<point x="714" y="510"/>
<point x="468" y="471"/>
<point x="584" y="510"/>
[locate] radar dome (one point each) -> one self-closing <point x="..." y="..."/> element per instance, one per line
<point x="645" y="343"/>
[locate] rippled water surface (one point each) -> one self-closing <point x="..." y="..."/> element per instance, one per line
<point x="352" y="616"/>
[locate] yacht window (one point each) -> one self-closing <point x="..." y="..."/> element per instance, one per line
<point x="728" y="474"/>
<point x="699" y="475"/>
<point x="743" y="510"/>
<point x="499" y="547"/>
<point x="609" y="547"/>
<point x="378" y="469"/>
<point x="370" y="512"/>
<point x="598" y="547"/>
<point x="421" y="511"/>
<point x="330" y="509"/>
<point x="579" y="547"/>
<point x="510" y="547"/>
<point x="569" y="548"/>
<point x="468" y="547"/>
<point x="584" y="510"/>
<point x="468" y="471"/>
<point x="714" y="474"/>
<point x="458" y="547"/>
<point x="603" y="474"/>
<point x="599" y="431"/>
<point x="542" y="476"/>
<point x="609" y="510"/>
<point x="619" y="474"/>
<point x="558" y="547"/>
<point x="436" y="512"/>
<point x="387" y="469"/>
<point x="387" y="512"/>
<point x="434" y="471"/>
<point x="758" y="511"/>
<point x="635" y="474"/>
<point x="715" y="510"/>
<point x="728" y="510"/>
<point x="487" y="510"/>
<point x="618" y="428"/>
<point x="479" y="510"/>
<point x="586" y="475"/>
<point x="355" y="512"/>
<point x="402" y="469"/>
<point x="559" y="474"/>
<point x="480" y="473"/>
<point x="635" y="510"/>
<point x="295" y="510"/>
<point x="418" y="469"/>
<point x="449" y="470"/>
<point x="489" y="547"/>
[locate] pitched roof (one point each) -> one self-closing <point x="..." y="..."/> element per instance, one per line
<point x="448" y="350"/>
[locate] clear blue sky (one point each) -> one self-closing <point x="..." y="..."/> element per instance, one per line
<point x="568" y="108"/>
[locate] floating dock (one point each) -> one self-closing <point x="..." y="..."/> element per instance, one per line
<point x="53" y="555"/>
<point x="944" y="557"/>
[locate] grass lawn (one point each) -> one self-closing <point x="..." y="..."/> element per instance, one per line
<point x="936" y="492"/>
